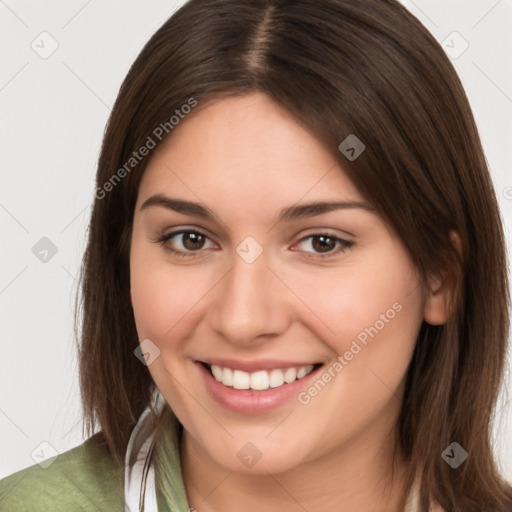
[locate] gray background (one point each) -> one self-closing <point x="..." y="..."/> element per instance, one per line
<point x="54" y="110"/>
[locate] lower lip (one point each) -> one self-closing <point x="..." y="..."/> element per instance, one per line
<point x="249" y="401"/>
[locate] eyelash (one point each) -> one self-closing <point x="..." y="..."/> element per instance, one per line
<point x="344" y="244"/>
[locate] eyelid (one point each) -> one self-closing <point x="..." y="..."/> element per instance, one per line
<point x="185" y="229"/>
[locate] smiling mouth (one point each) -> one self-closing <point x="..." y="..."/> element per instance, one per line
<point x="260" y="380"/>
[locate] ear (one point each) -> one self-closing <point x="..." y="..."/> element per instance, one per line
<point x="441" y="287"/>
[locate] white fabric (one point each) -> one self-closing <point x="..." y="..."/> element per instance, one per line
<point x="413" y="502"/>
<point x="139" y="469"/>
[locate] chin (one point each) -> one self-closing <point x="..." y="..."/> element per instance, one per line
<point x="257" y="457"/>
<point x="277" y="464"/>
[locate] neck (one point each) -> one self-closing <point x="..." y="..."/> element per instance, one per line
<point x="357" y="476"/>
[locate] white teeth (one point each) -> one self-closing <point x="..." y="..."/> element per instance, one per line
<point x="304" y="370"/>
<point x="301" y="372"/>
<point x="259" y="380"/>
<point x="241" y="380"/>
<point x="290" y="375"/>
<point x="217" y="372"/>
<point x="227" y="376"/>
<point x="276" y="378"/>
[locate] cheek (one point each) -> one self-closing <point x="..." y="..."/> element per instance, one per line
<point x="375" y="312"/>
<point x="376" y="299"/>
<point x="164" y="296"/>
<point x="154" y="293"/>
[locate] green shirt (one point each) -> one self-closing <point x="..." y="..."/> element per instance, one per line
<point x="82" y="479"/>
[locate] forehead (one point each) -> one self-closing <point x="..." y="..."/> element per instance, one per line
<point x="245" y="149"/>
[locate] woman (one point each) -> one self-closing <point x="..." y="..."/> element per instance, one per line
<point x="295" y="254"/>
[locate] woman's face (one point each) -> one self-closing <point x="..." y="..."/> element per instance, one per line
<point x="281" y="269"/>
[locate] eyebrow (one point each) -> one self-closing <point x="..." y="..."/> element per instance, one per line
<point x="290" y="213"/>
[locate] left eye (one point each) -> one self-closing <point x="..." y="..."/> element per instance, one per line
<point x="323" y="243"/>
<point x="188" y="241"/>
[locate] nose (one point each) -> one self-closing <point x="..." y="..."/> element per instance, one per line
<point x="250" y="305"/>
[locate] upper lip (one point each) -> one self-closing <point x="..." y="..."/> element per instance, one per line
<point x="255" y="365"/>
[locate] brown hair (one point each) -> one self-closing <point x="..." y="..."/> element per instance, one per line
<point x="340" y="67"/>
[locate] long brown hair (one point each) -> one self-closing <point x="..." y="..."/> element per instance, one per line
<point x="341" y="67"/>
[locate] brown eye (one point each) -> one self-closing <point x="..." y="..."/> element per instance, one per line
<point x="186" y="243"/>
<point x="193" y="241"/>
<point x="322" y="243"/>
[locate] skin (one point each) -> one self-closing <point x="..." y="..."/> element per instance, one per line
<point x="245" y="159"/>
